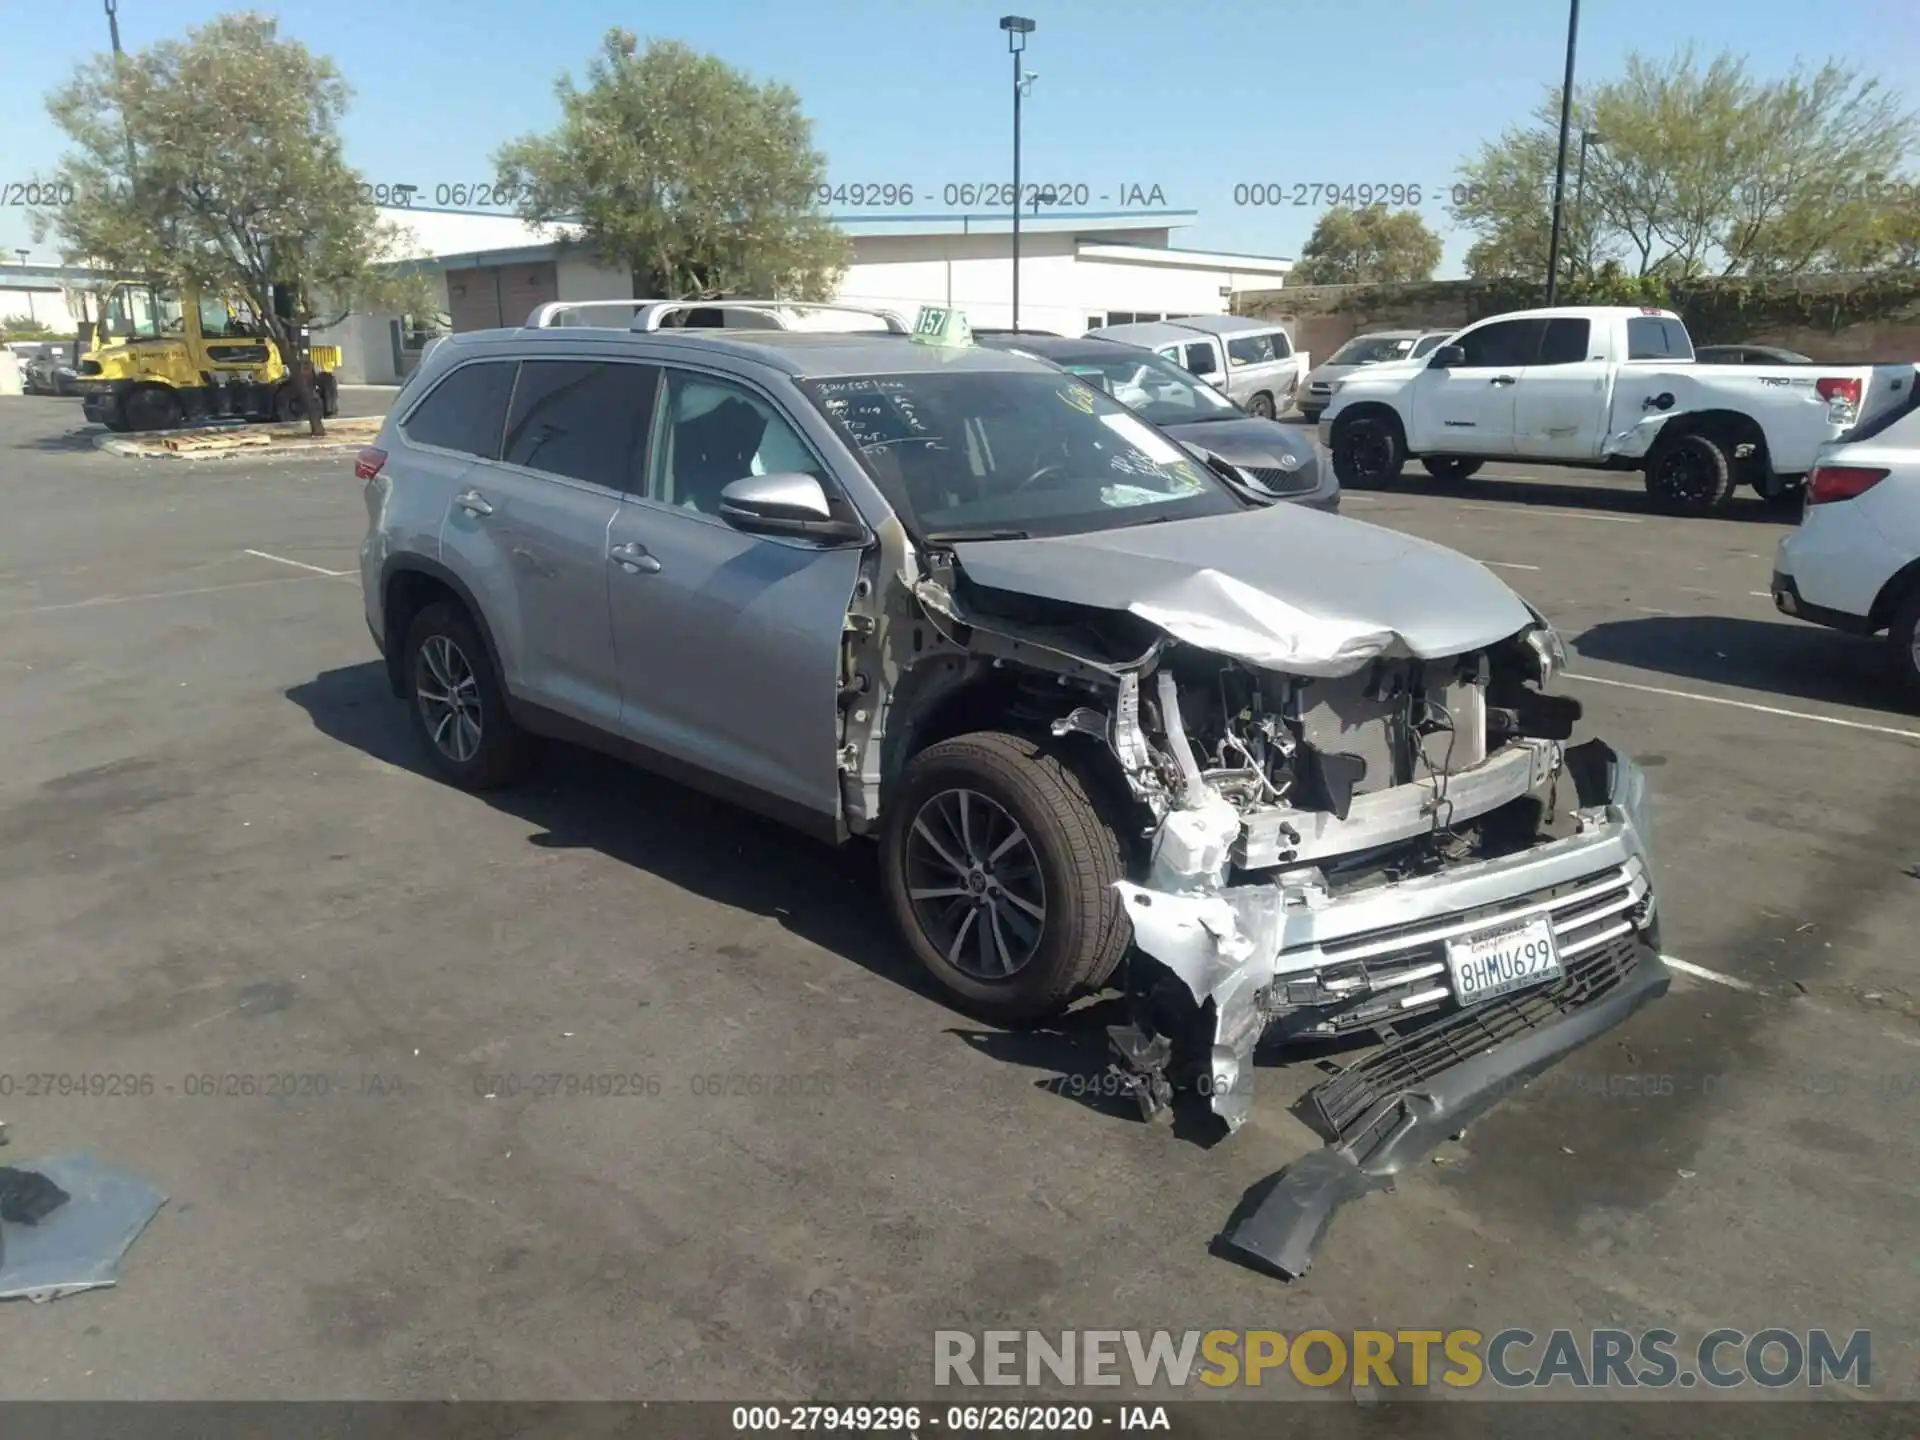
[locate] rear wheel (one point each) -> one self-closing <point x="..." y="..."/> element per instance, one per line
<point x="1312" y="417"/>
<point x="1449" y="471"/>
<point x="1690" y="475"/>
<point x="151" y="407"/>
<point x="1368" y="449"/>
<point x="458" y="708"/>
<point x="999" y="870"/>
<point x="1261" y="405"/>
<point x="1903" y="641"/>
<point x="287" y="405"/>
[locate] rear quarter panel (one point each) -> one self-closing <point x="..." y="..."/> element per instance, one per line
<point x="1782" y="401"/>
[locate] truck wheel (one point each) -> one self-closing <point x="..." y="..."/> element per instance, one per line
<point x="1312" y="417"/>
<point x="286" y="403"/>
<point x="1451" y="472"/>
<point x="1903" y="641"/>
<point x="1690" y="475"/>
<point x="999" y="870"/>
<point x="1368" y="449"/>
<point x="151" y="407"/>
<point x="1261" y="405"/>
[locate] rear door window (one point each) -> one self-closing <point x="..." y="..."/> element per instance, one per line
<point x="467" y="411"/>
<point x="1657" y="337"/>
<point x="1565" y="342"/>
<point x="584" y="419"/>
<point x="1251" y="350"/>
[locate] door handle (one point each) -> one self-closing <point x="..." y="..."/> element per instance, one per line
<point x="1503" y="380"/>
<point x="473" y="502"/>
<point x="634" y="559"/>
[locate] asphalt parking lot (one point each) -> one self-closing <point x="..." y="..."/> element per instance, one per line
<point x="220" y="857"/>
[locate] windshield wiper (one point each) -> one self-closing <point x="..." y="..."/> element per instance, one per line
<point x="984" y="533"/>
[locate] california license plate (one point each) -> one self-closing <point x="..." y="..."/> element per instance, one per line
<point x="1498" y="962"/>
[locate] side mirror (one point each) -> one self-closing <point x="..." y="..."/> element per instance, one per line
<point x="1446" y="357"/>
<point x="785" y="504"/>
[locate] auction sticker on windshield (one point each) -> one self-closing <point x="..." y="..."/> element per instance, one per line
<point x="1498" y="962"/>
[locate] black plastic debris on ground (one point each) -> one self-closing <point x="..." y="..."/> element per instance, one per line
<point x="77" y="1241"/>
<point x="27" y="1198"/>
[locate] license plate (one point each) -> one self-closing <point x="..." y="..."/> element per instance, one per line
<point x="1498" y="962"/>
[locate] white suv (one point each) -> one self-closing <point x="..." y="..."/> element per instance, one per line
<point x="1854" y="563"/>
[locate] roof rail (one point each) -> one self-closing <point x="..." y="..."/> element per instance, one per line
<point x="648" y="314"/>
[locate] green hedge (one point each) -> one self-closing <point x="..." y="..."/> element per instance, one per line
<point x="1717" y="311"/>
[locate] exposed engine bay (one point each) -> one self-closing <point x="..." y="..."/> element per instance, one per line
<point x="1326" y="815"/>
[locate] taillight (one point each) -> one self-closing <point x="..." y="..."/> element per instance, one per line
<point x="1842" y="394"/>
<point x="367" y="463"/>
<point x="1842" y="482"/>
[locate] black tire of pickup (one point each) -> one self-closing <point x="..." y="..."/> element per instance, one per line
<point x="1085" y="932"/>
<point x="1450" y="471"/>
<point x="1691" y="474"/>
<point x="1369" y="449"/>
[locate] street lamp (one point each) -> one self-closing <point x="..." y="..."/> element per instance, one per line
<point x="1018" y="27"/>
<point x="1587" y="137"/>
<point x="113" y="29"/>
<point x="1560" y="167"/>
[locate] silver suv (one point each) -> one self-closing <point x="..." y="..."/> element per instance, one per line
<point x="1111" y="715"/>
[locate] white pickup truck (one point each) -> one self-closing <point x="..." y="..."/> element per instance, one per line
<point x="1603" y="386"/>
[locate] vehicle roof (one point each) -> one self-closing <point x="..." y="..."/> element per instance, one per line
<point x="1579" y="312"/>
<point x="1227" y="324"/>
<point x="1146" y="332"/>
<point x="801" y="354"/>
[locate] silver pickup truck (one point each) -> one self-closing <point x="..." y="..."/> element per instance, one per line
<point x="1608" y="386"/>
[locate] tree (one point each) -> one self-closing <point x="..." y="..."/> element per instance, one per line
<point x="26" y="327"/>
<point x="1698" y="170"/>
<point x="1371" y="245"/>
<point x="217" y="161"/>
<point x="681" y="168"/>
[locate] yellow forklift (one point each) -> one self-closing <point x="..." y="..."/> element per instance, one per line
<point x="165" y="358"/>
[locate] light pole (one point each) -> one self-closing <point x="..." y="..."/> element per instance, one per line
<point x="1560" y="167"/>
<point x="1587" y="137"/>
<point x="1018" y="27"/>
<point x="113" y="29"/>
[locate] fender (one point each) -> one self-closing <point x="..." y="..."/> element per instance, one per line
<point x="398" y="565"/>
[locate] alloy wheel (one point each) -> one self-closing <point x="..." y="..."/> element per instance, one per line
<point x="974" y="882"/>
<point x="1369" y="449"/>
<point x="448" y="694"/>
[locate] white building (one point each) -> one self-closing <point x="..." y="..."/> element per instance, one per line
<point x="1077" y="271"/>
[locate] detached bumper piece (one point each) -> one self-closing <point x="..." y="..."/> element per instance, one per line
<point x="1393" y="1107"/>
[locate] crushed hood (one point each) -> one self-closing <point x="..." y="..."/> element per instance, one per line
<point x="1284" y="588"/>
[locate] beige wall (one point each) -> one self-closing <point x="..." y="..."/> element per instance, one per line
<point x="1321" y="334"/>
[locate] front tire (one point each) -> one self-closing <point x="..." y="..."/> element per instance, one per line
<point x="456" y="702"/>
<point x="1261" y="405"/>
<point x="1903" y="643"/>
<point x="1451" y="472"/>
<point x="999" y="871"/>
<point x="1368" y="449"/>
<point x="151" y="407"/>
<point x="1690" y="475"/>
<point x="1312" y="417"/>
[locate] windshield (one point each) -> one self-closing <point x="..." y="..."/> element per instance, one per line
<point x="138" y="312"/>
<point x="1372" y="349"/>
<point x="1009" y="453"/>
<point x="1155" y="388"/>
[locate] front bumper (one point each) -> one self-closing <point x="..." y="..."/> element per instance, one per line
<point x="1295" y="958"/>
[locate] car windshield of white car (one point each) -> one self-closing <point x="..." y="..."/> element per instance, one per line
<point x="1007" y="452"/>
<point x="1155" y="388"/>
<point x="1370" y="350"/>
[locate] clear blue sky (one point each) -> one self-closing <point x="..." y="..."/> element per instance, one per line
<point x="1194" y="98"/>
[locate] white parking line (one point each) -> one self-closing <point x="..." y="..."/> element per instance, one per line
<point x="1761" y="594"/>
<point x="1700" y="972"/>
<point x="1749" y="705"/>
<point x="1508" y="565"/>
<point x="157" y="595"/>
<point x="300" y="565"/>
<point x="1537" y="510"/>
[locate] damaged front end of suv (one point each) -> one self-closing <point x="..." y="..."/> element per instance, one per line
<point x="1355" y="816"/>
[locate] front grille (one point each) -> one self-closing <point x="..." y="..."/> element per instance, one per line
<point x="1345" y="1103"/>
<point x="1370" y="977"/>
<point x="1277" y="479"/>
